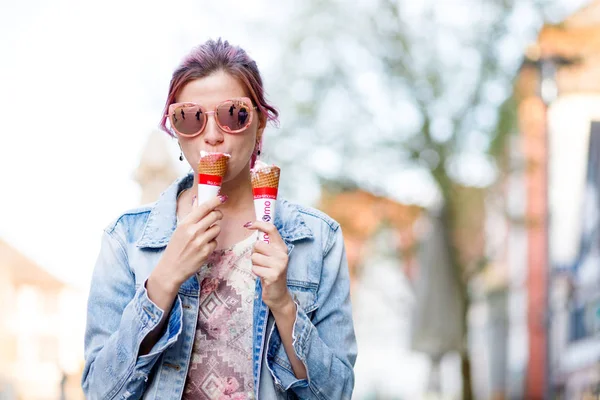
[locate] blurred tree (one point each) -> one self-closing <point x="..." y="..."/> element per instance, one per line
<point x="411" y="100"/>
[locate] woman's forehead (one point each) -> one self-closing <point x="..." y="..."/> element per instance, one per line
<point x="211" y="90"/>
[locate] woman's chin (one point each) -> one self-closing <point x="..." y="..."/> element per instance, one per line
<point x="234" y="174"/>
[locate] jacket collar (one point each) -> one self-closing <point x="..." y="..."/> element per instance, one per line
<point x="162" y="220"/>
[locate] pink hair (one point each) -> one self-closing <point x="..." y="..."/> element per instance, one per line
<point x="213" y="56"/>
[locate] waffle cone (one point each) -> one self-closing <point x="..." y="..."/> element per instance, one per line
<point x="266" y="177"/>
<point x="213" y="164"/>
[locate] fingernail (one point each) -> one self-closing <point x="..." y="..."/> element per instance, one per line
<point x="248" y="224"/>
<point x="223" y="198"/>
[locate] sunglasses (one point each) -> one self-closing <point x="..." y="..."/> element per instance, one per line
<point x="232" y="116"/>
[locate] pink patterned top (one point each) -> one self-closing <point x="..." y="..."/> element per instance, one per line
<point x="221" y="363"/>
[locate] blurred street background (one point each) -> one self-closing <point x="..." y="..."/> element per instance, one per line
<point x="457" y="142"/>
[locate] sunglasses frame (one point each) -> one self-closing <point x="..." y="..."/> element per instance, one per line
<point x="246" y="100"/>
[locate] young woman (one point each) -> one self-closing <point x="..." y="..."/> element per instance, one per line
<point x="185" y="302"/>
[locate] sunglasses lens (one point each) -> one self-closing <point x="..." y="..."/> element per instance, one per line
<point x="188" y="120"/>
<point x="234" y="115"/>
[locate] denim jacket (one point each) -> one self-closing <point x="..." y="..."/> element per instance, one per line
<point x="120" y="313"/>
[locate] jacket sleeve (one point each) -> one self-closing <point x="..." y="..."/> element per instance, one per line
<point x="118" y="318"/>
<point x="325" y="343"/>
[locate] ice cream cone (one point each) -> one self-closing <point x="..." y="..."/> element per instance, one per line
<point x="267" y="177"/>
<point x="213" y="164"/>
<point x="265" y="184"/>
<point x="211" y="170"/>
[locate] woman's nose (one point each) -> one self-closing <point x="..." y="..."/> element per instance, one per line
<point x="212" y="133"/>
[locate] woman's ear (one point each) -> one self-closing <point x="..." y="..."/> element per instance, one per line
<point x="259" y="134"/>
<point x="262" y="124"/>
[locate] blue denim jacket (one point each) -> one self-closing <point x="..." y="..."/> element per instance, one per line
<point x="120" y="314"/>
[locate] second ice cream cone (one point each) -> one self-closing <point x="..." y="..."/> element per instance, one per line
<point x="265" y="184"/>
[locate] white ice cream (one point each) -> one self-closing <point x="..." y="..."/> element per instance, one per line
<point x="208" y="153"/>
<point x="261" y="166"/>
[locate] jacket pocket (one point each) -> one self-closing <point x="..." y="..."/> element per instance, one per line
<point x="305" y="293"/>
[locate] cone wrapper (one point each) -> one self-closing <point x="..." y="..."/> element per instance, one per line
<point x="211" y="170"/>
<point x="265" y="184"/>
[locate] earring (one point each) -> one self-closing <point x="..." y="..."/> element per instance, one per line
<point x="257" y="149"/>
<point x="180" y="151"/>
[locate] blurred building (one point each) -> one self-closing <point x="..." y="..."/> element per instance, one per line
<point x="559" y="111"/>
<point x="498" y="314"/>
<point x="157" y="169"/>
<point x="362" y="214"/>
<point x="41" y="340"/>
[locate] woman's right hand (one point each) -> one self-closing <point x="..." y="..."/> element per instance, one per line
<point x="192" y="242"/>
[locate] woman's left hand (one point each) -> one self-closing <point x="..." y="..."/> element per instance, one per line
<point x="269" y="263"/>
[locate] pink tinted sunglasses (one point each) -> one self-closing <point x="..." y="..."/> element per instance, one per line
<point x="232" y="116"/>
